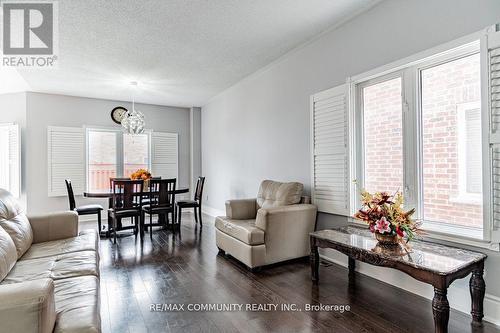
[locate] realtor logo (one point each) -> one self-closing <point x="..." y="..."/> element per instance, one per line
<point x="29" y="34"/>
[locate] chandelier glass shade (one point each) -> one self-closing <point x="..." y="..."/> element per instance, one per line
<point x="133" y="122"/>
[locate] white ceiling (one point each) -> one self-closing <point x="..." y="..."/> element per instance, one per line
<point x="182" y="52"/>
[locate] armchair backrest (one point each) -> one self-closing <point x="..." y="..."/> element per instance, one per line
<point x="275" y="194"/>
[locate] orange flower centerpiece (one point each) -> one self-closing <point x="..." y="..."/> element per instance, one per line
<point x="386" y="217"/>
<point x="143" y="174"/>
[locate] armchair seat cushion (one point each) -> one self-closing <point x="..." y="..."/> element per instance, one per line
<point x="77" y="305"/>
<point x="57" y="267"/>
<point x="87" y="240"/>
<point x="243" y="230"/>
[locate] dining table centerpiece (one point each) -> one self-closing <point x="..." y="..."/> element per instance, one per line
<point x="387" y="219"/>
<point x="143" y="174"/>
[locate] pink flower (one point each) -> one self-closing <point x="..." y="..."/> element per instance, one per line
<point x="382" y="226"/>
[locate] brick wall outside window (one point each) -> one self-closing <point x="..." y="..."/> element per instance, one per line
<point x="443" y="88"/>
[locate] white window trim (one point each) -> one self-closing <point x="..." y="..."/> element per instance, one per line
<point x="458" y="48"/>
<point x="119" y="149"/>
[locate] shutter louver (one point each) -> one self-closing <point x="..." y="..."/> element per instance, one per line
<point x="10" y="163"/>
<point x="65" y="160"/>
<point x="493" y="75"/>
<point x="330" y="179"/>
<point x="164" y="153"/>
<point x="15" y="159"/>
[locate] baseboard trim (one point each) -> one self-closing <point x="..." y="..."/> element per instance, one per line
<point x="212" y="211"/>
<point x="491" y="302"/>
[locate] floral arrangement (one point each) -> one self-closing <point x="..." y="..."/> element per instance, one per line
<point x="141" y="174"/>
<point x="385" y="215"/>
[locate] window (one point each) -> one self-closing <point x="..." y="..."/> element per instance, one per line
<point x="419" y="130"/>
<point x="102" y="159"/>
<point x="382" y="110"/>
<point x="135" y="153"/>
<point x="111" y="153"/>
<point x="10" y="177"/>
<point x="451" y="142"/>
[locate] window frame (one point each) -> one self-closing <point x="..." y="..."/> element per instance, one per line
<point x="359" y="120"/>
<point x="120" y="162"/>
<point x="411" y="68"/>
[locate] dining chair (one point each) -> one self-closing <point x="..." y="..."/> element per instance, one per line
<point x="161" y="202"/>
<point x="195" y="204"/>
<point x="85" y="209"/>
<point x="124" y="204"/>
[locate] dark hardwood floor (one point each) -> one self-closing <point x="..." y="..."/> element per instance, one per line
<point x="185" y="268"/>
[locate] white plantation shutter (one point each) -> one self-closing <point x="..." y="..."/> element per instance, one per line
<point x="330" y="160"/>
<point x="492" y="75"/>
<point x="66" y="159"/>
<point x="165" y="155"/>
<point x="10" y="158"/>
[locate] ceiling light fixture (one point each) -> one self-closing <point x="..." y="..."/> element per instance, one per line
<point x="133" y="122"/>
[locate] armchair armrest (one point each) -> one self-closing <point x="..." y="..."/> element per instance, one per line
<point x="287" y="230"/>
<point x="28" y="306"/>
<point x="241" y="209"/>
<point x="54" y="226"/>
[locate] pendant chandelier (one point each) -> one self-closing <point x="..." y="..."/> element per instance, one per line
<point x="133" y="122"/>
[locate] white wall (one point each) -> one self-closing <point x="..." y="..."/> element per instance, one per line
<point x="44" y="110"/>
<point x="259" y="128"/>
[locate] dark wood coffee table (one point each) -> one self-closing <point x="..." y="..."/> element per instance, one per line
<point x="435" y="264"/>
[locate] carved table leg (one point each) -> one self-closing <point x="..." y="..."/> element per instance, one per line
<point x="477" y="289"/>
<point x="314" y="258"/>
<point x="352" y="266"/>
<point x="441" y="310"/>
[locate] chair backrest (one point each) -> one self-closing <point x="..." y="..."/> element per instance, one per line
<point x="125" y="193"/>
<point x="111" y="180"/>
<point x="275" y="194"/>
<point x="198" y="193"/>
<point x="160" y="191"/>
<point x="71" y="195"/>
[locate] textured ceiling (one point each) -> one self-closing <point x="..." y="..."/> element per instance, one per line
<point x="182" y="52"/>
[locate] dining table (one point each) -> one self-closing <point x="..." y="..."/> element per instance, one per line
<point x="108" y="194"/>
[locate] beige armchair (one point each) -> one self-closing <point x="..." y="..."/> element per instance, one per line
<point x="273" y="227"/>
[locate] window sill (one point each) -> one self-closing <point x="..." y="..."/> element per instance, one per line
<point x="448" y="239"/>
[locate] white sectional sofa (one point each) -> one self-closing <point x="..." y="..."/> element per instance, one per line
<point x="49" y="273"/>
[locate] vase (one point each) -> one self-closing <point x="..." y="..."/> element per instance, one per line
<point x="387" y="240"/>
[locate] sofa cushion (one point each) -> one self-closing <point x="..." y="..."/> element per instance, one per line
<point x="57" y="267"/>
<point x="15" y="222"/>
<point x="86" y="240"/>
<point x="243" y="230"/>
<point x="77" y="305"/>
<point x="8" y="254"/>
<point x="274" y="194"/>
<point x="28" y="307"/>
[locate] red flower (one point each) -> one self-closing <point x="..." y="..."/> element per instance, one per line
<point x="400" y="232"/>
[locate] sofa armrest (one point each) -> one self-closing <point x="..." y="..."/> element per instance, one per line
<point x="54" y="226"/>
<point x="28" y="306"/>
<point x="241" y="209"/>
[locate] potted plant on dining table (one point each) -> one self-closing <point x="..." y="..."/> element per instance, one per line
<point x="143" y="174"/>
